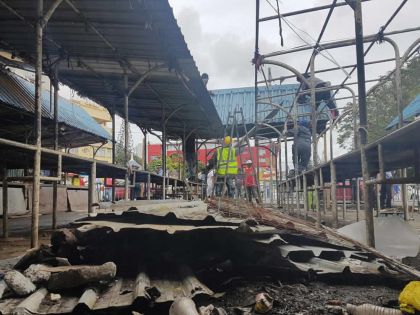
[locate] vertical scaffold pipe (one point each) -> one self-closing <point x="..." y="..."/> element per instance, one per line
<point x="38" y="125"/>
<point x="363" y="120"/>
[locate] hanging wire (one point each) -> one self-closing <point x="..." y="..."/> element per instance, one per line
<point x="280" y="26"/>
<point x="381" y="29"/>
<point x="293" y="28"/>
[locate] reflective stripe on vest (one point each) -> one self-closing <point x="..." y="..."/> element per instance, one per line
<point x="223" y="160"/>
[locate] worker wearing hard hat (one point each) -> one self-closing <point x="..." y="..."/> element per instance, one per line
<point x="226" y="164"/>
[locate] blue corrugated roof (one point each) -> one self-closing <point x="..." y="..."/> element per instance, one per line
<point x="19" y="93"/>
<point x="409" y="112"/>
<point x="226" y="100"/>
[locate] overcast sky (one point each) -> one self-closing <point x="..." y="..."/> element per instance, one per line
<point x="221" y="35"/>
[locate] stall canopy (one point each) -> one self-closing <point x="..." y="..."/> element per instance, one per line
<point x="17" y="104"/>
<point x="97" y="42"/>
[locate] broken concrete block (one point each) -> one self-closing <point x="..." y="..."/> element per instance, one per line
<point x="183" y="306"/>
<point x="54" y="297"/>
<point x="37" y="273"/>
<point x="19" y="283"/>
<point x="3" y="288"/>
<point x="76" y="276"/>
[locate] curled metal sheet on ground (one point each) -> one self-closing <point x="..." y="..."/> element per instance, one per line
<point x="203" y="252"/>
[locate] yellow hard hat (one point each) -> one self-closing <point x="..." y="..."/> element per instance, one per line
<point x="228" y="140"/>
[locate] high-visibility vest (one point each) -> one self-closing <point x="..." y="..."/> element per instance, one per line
<point x="223" y="160"/>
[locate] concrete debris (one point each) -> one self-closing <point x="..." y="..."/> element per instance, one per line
<point x="76" y="276"/>
<point x="19" y="283"/>
<point x="32" y="303"/>
<point x="37" y="273"/>
<point x="211" y="310"/>
<point x="263" y="303"/>
<point x="54" y="297"/>
<point x="183" y="306"/>
<point x="369" y="309"/>
<point x="3" y="288"/>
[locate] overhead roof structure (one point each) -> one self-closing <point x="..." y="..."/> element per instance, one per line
<point x="98" y="42"/>
<point x="227" y="100"/>
<point x="17" y="96"/>
<point x="410" y="112"/>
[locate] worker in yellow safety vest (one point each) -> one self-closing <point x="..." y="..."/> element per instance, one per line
<point x="227" y="166"/>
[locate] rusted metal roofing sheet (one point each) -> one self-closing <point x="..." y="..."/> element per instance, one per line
<point x="99" y="41"/>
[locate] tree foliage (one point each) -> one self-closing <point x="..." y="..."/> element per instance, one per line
<point x="382" y="105"/>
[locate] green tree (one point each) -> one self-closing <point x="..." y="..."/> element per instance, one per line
<point x="382" y="105"/>
<point x="173" y="164"/>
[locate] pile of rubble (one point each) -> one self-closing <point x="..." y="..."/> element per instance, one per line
<point x="184" y="259"/>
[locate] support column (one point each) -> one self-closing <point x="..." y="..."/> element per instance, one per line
<point x="305" y="195"/>
<point x="344" y="201"/>
<point x="92" y="186"/>
<point x="114" y="148"/>
<point x="403" y="173"/>
<point x="334" y="209"/>
<point x="315" y="142"/>
<point x="145" y="150"/>
<point x="38" y="125"/>
<point x="357" y="199"/>
<point x="126" y="135"/>
<point x="286" y="159"/>
<point x="148" y="186"/>
<point x="5" y="204"/>
<point x="363" y="119"/>
<point x="164" y="161"/>
<point x="191" y="155"/>
<point x="57" y="174"/>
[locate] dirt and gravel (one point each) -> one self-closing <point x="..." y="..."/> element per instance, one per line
<point x="311" y="298"/>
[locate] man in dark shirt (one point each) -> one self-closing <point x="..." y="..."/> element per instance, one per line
<point x="320" y="96"/>
<point x="302" y="146"/>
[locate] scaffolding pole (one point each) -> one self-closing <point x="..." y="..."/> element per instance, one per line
<point x="358" y="21"/>
<point x="38" y="126"/>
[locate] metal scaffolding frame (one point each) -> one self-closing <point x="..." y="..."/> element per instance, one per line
<point x="359" y="115"/>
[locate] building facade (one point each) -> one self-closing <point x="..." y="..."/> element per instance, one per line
<point x="101" y="115"/>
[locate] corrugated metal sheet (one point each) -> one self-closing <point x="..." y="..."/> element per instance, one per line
<point x="20" y="94"/>
<point x="409" y="112"/>
<point x="226" y="100"/>
<point x="142" y="34"/>
<point x="136" y="293"/>
<point x="152" y="283"/>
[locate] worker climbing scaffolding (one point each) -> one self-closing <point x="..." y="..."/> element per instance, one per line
<point x="301" y="148"/>
<point x="322" y="98"/>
